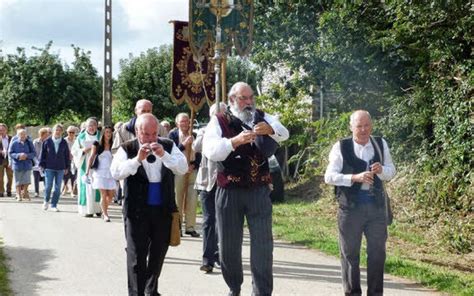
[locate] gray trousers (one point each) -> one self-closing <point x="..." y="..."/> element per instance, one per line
<point x="232" y="206"/>
<point x="369" y="220"/>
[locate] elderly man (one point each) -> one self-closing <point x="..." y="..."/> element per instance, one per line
<point x="127" y="130"/>
<point x="357" y="167"/>
<point x="5" y="168"/>
<point x="147" y="165"/>
<point x="243" y="187"/>
<point x="186" y="195"/>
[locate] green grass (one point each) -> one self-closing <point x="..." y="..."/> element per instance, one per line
<point x="313" y="224"/>
<point x="5" y="289"/>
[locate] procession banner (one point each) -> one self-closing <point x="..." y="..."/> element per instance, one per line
<point x="192" y="77"/>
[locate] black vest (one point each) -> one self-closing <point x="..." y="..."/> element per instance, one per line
<point x="135" y="188"/>
<point x="244" y="167"/>
<point x="353" y="165"/>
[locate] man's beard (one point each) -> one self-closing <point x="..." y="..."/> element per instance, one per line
<point x="246" y="115"/>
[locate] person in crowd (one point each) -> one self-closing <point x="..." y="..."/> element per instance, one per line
<point x="5" y="168"/>
<point x="167" y="127"/>
<point x="147" y="165"/>
<point x="102" y="179"/>
<point x="69" y="185"/>
<point x="355" y="168"/>
<point x="127" y="130"/>
<point x="55" y="161"/>
<point x="118" y="196"/>
<point x="38" y="174"/>
<point x="243" y="186"/>
<point x="186" y="195"/>
<point x="22" y="153"/>
<point x="206" y="184"/>
<point x="89" y="198"/>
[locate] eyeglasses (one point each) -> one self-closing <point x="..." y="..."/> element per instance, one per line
<point x="71" y="132"/>
<point x="244" y="98"/>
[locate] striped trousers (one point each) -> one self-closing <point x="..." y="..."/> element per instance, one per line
<point x="232" y="206"/>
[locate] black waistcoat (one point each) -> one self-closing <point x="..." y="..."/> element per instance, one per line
<point x="135" y="188"/>
<point x="245" y="166"/>
<point x="354" y="165"/>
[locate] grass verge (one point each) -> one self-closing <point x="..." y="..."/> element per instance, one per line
<point x="304" y="220"/>
<point x="5" y="289"/>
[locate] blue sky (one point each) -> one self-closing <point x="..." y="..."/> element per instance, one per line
<point x="137" y="26"/>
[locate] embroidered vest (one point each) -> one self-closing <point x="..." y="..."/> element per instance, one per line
<point x="244" y="167"/>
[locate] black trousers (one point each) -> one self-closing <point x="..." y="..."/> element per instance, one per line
<point x="209" y="233"/>
<point x="148" y="238"/>
<point x="369" y="220"/>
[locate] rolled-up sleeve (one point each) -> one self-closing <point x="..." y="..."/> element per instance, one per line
<point x="122" y="167"/>
<point x="388" y="168"/>
<point x="176" y="161"/>
<point x="215" y="147"/>
<point x="280" y="132"/>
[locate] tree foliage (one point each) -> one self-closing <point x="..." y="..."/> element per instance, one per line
<point x="147" y="76"/>
<point x="36" y="89"/>
<point x="410" y="64"/>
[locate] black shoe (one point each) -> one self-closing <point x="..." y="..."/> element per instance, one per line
<point x="9" y="194"/>
<point x="1" y="194"/>
<point x="192" y="233"/>
<point x="206" y="268"/>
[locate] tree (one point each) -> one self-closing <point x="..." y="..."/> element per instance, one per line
<point x="38" y="90"/>
<point x="147" y="76"/>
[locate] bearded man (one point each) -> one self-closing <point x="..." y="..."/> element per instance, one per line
<point x="243" y="186"/>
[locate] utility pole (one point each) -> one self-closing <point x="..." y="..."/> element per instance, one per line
<point x="107" y="82"/>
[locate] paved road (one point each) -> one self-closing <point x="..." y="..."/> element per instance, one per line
<point x="64" y="254"/>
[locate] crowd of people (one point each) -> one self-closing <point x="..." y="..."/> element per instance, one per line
<point x="153" y="172"/>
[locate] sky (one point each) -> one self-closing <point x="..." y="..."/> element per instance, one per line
<point x="137" y="25"/>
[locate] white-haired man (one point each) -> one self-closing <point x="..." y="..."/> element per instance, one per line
<point x="243" y="186"/>
<point x="357" y="166"/>
<point x="147" y="165"/>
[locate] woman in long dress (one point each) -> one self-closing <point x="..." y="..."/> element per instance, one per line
<point x="101" y="176"/>
<point x="88" y="202"/>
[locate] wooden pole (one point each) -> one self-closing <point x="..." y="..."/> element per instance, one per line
<point x="224" y="80"/>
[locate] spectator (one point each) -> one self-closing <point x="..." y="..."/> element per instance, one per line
<point x="55" y="161"/>
<point x="22" y="153"/>
<point x="5" y="168"/>
<point x="38" y="174"/>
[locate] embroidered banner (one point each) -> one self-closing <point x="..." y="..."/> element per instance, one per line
<point x="237" y="26"/>
<point x="193" y="79"/>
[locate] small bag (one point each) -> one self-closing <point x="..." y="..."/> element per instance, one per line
<point x="175" y="236"/>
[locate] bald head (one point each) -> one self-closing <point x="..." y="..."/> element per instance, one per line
<point x="143" y="106"/>
<point x="146" y="128"/>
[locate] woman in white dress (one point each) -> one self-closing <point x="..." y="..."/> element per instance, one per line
<point x="101" y="176"/>
<point x="89" y="198"/>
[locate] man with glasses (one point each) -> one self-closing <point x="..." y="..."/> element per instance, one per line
<point x="243" y="180"/>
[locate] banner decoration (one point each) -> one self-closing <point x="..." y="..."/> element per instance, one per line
<point x="236" y="27"/>
<point x="192" y="77"/>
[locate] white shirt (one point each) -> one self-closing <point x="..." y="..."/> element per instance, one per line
<point x="217" y="148"/>
<point x="122" y="166"/>
<point x="5" y="145"/>
<point x="365" y="152"/>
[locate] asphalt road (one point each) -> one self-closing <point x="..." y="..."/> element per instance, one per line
<point x="64" y="254"/>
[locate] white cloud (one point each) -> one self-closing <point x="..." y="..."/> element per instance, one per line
<point x="150" y="15"/>
<point x="6" y="3"/>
